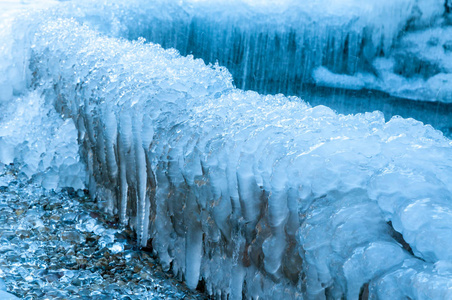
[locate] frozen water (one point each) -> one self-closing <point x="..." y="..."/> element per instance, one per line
<point x="264" y="187"/>
<point x="293" y="200"/>
<point x="32" y="133"/>
<point x="276" y="46"/>
<point x="420" y="67"/>
<point x="2" y="285"/>
<point x="35" y="136"/>
<point x="287" y="46"/>
<point x="308" y="48"/>
<point x="7" y="296"/>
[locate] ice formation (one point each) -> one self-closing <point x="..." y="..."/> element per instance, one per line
<point x="261" y="196"/>
<point x="32" y="133"/>
<point x="7" y="296"/>
<point x="308" y="48"/>
<point x="4" y="294"/>
<point x="280" y="46"/>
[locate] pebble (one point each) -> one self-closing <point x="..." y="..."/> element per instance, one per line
<point x="59" y="246"/>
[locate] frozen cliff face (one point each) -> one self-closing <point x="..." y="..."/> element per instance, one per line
<point x="292" y="200"/>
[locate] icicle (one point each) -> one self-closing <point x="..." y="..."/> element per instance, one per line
<point x="193" y="244"/>
<point x="141" y="177"/>
<point x="124" y="132"/>
<point x="110" y="136"/>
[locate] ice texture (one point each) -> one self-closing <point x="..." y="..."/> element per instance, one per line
<point x="307" y="48"/>
<point x="420" y="67"/>
<point x="262" y="196"/>
<point x="36" y="137"/>
<point x="287" y="46"/>
<point x="291" y="46"/>
<point x="263" y="187"/>
<point x="7" y="296"/>
<point x="32" y="133"/>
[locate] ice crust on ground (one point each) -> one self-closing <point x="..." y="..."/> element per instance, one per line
<point x="294" y="201"/>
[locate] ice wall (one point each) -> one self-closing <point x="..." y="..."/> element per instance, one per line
<point x="292" y="200"/>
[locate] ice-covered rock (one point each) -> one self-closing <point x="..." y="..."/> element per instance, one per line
<point x="266" y="188"/>
<point x="292" y="200"/>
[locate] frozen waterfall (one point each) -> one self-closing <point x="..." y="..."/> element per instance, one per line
<point x="259" y="196"/>
<point x="363" y="57"/>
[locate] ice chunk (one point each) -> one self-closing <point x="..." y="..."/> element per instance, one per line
<point x="33" y="135"/>
<point x="323" y="77"/>
<point x="116" y="248"/>
<point x="6" y="152"/>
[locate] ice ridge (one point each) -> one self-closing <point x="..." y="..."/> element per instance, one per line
<point x="292" y="200"/>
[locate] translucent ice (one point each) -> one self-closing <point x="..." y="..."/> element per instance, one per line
<point x="294" y="201"/>
<point x="33" y="135"/>
<point x="2" y="285"/>
<point x="7" y="296"/>
<point x="279" y="46"/>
